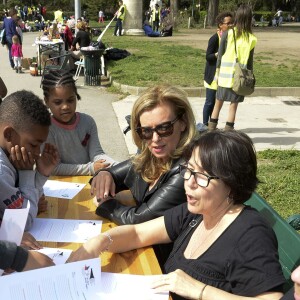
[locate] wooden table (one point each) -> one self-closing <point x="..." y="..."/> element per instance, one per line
<point x="140" y="262"/>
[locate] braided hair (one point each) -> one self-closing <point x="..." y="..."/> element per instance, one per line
<point x="58" y="78"/>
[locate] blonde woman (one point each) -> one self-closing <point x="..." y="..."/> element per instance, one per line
<point x="163" y="124"/>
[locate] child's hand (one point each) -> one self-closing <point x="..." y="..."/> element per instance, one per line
<point x="21" y="159"/>
<point x="42" y="205"/>
<point x="48" y="160"/>
<point x="100" y="164"/>
<point x="29" y="242"/>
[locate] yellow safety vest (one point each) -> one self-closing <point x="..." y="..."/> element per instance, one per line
<point x="121" y="15"/>
<point x="154" y="13"/>
<point x="58" y="16"/>
<point x="243" y="48"/>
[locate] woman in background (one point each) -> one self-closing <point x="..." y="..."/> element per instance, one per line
<point x="245" y="43"/>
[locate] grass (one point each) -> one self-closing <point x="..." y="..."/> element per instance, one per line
<point x="165" y="61"/>
<point x="279" y="173"/>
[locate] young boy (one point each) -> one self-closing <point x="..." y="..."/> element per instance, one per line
<point x="24" y="126"/>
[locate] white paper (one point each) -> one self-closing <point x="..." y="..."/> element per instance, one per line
<point x="58" y="255"/>
<point x="73" y="281"/>
<point x="13" y="224"/>
<point x="125" y="286"/>
<point x="61" y="189"/>
<point x="67" y="231"/>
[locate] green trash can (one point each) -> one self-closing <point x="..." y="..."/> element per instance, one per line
<point x="92" y="65"/>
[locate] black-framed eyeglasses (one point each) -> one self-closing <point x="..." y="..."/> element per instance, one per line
<point x="163" y="130"/>
<point x="200" y="178"/>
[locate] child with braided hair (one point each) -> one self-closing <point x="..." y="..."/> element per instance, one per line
<point x="75" y="134"/>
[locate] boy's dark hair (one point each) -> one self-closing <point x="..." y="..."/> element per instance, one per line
<point x="23" y="109"/>
<point x="221" y="16"/>
<point x="231" y="156"/>
<point x="58" y="78"/>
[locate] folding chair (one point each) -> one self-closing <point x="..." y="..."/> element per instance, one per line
<point x="80" y="65"/>
<point x="55" y="63"/>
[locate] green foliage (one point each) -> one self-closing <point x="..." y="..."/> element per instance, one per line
<point x="279" y="173"/>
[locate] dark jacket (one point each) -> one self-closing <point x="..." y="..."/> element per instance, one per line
<point x="82" y="38"/>
<point x="12" y="256"/>
<point x="211" y="59"/>
<point x="168" y="192"/>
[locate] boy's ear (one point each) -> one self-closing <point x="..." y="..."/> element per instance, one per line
<point x="8" y="133"/>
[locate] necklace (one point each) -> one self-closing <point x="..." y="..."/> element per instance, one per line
<point x="201" y="236"/>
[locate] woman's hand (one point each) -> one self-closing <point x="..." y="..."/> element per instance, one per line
<point x="103" y="186"/>
<point x="91" y="249"/>
<point x="180" y="283"/>
<point x="29" y="242"/>
<point x="37" y="260"/>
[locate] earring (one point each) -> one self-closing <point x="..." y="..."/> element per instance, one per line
<point x="229" y="199"/>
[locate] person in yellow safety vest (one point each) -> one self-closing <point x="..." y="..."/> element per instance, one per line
<point x="245" y="43"/>
<point x="156" y="17"/>
<point x="58" y="16"/>
<point x="120" y="14"/>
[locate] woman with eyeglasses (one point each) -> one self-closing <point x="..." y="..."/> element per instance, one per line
<point x="163" y="124"/>
<point x="222" y="249"/>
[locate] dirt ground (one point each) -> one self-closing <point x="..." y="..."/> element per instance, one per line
<point x="283" y="41"/>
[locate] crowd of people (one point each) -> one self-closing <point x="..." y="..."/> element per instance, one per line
<point x="189" y="187"/>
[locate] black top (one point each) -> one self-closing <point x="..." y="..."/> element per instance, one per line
<point x="211" y="59"/>
<point x="82" y="38"/>
<point x="243" y="260"/>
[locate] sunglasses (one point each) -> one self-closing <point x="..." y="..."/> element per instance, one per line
<point x="163" y="130"/>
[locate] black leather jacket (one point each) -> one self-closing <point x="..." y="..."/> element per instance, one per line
<point x="168" y="192"/>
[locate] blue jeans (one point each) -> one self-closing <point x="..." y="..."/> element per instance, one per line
<point x="209" y="105"/>
<point x="118" y="26"/>
<point x="9" y="44"/>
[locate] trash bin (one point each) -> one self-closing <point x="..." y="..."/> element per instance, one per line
<point x="92" y="65"/>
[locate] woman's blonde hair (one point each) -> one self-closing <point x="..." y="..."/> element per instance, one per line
<point x="81" y="25"/>
<point x="145" y="162"/>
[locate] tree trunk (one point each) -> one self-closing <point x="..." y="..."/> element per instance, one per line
<point x="212" y="12"/>
<point x="174" y="7"/>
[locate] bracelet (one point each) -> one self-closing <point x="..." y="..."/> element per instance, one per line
<point x="110" y="240"/>
<point x="201" y="293"/>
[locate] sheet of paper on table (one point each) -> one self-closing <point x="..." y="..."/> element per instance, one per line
<point x="81" y="280"/>
<point x="129" y="287"/>
<point x="61" y="189"/>
<point x="67" y="231"/>
<point x="58" y="255"/>
<point x="77" y="281"/>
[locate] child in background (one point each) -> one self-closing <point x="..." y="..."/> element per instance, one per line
<point x="75" y="134"/>
<point x="17" y="54"/>
<point x="24" y="127"/>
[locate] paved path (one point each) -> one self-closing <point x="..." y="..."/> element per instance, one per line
<point x="270" y="121"/>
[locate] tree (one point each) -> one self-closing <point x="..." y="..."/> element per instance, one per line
<point x="212" y="12"/>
